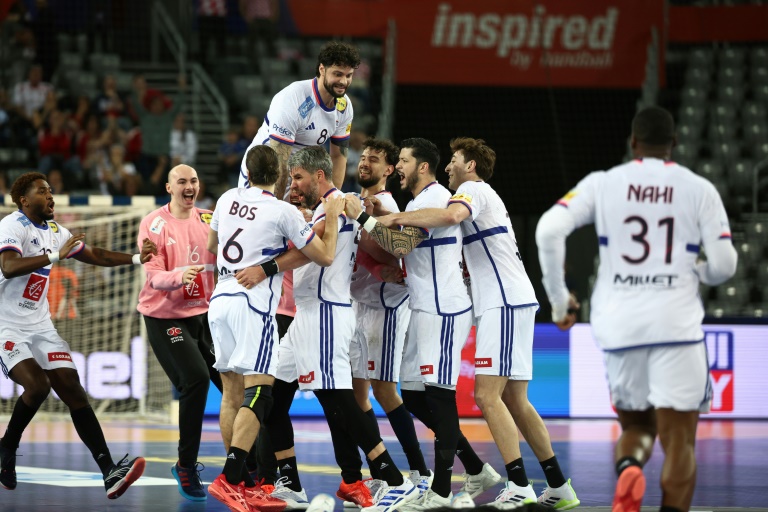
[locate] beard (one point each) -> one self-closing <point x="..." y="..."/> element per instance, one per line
<point x="311" y="198"/>
<point x="329" y="87"/>
<point x="368" y="182"/>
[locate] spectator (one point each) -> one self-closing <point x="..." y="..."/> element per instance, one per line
<point x="82" y="112"/>
<point x="6" y="131"/>
<point x="250" y="128"/>
<point x="55" y="145"/>
<point x="144" y="94"/>
<point x="116" y="176"/>
<point x="156" y="124"/>
<point x="183" y="143"/>
<point x="91" y="142"/>
<point x="211" y="26"/>
<point x="231" y="153"/>
<point x="109" y="102"/>
<point x="40" y="116"/>
<point x="204" y="200"/>
<point x="261" y="17"/>
<point x="56" y="181"/>
<point x="29" y="96"/>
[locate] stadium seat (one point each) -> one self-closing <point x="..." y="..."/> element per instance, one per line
<point x="753" y="112"/>
<point x="702" y="56"/>
<point x="307" y="68"/>
<point x="710" y="169"/>
<point x="124" y="81"/>
<point x="693" y="96"/>
<point x="726" y="152"/>
<point x="105" y="63"/>
<point x="723" y="113"/>
<point x="290" y="48"/>
<point x="759" y="76"/>
<point x="6" y="156"/>
<point x="275" y="66"/>
<point x="758" y="56"/>
<point x="692" y="114"/>
<point x="69" y="61"/>
<point x="277" y="82"/>
<point x="721" y="132"/>
<point x="246" y="87"/>
<point x="760" y="93"/>
<point x="687" y="133"/>
<point x="730" y="75"/>
<point x="698" y="77"/>
<point x="259" y="105"/>
<point x="731" y="56"/>
<point x="686" y="154"/>
<point x="740" y="176"/>
<point x="82" y="83"/>
<point x="756" y="133"/>
<point x="731" y="94"/>
<point x="760" y="153"/>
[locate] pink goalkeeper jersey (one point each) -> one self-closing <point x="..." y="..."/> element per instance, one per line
<point x="287" y="306"/>
<point x="181" y="243"/>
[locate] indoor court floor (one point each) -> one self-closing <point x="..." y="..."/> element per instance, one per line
<point x="56" y="472"/>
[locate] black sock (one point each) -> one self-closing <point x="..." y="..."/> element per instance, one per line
<point x="288" y="468"/>
<point x="250" y="459"/>
<point x="89" y="430"/>
<point x="665" y="508"/>
<point x="442" y="405"/>
<point x="625" y="462"/>
<point x="375" y="473"/>
<point x="552" y="472"/>
<point x="20" y="418"/>
<point x="466" y="454"/>
<point x="387" y="469"/>
<point x="402" y="424"/>
<point x="516" y="473"/>
<point x="233" y="467"/>
<point x="245" y="475"/>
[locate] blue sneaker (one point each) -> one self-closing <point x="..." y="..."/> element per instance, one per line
<point x="190" y="485"/>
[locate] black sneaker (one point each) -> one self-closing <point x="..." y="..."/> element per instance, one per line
<point x="122" y="475"/>
<point x="190" y="485"/>
<point x="8" y="468"/>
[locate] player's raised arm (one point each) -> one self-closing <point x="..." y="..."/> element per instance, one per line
<point x="283" y="153"/>
<point x="323" y="251"/>
<point x="428" y="217"/>
<point x="105" y="258"/>
<point x="396" y="242"/>
<point x="13" y="264"/>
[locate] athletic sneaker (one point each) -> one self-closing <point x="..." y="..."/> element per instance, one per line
<point x="259" y="499"/>
<point x="295" y="500"/>
<point x="374" y="484"/>
<point x="630" y="489"/>
<point x="559" y="498"/>
<point x="475" y="485"/>
<point x="321" y="503"/>
<point x="122" y="475"/>
<point x="190" y="485"/>
<point x="462" y="500"/>
<point x="267" y="488"/>
<point x="233" y="496"/>
<point x="355" y="495"/>
<point x="8" y="468"/>
<point x="391" y="498"/>
<point x="430" y="500"/>
<point x="422" y="483"/>
<point x="514" y="495"/>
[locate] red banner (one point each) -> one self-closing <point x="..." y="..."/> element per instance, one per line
<point x="551" y="43"/>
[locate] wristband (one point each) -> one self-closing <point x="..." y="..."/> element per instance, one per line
<point x="136" y="259"/>
<point x="53" y="257"/>
<point x="270" y="268"/>
<point x="366" y="221"/>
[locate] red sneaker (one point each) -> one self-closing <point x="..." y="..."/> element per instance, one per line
<point x="630" y="489"/>
<point x="259" y="499"/>
<point x="233" y="496"/>
<point x="356" y="493"/>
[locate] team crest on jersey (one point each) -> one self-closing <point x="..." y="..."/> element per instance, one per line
<point x="566" y="199"/>
<point x="157" y="225"/>
<point x="341" y="104"/>
<point x="306" y="107"/>
<point x="54" y="227"/>
<point x="35" y="286"/>
<point x="349" y="129"/>
<point x="206" y="217"/>
<point x="464" y="198"/>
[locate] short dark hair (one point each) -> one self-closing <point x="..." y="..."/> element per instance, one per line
<point x="263" y="165"/>
<point x="477" y="150"/>
<point x="654" y="126"/>
<point x="423" y="151"/>
<point x="391" y="152"/>
<point x="311" y="159"/>
<point x="336" y="53"/>
<point x="22" y="184"/>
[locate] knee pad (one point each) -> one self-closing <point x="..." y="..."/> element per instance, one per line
<point x="259" y="400"/>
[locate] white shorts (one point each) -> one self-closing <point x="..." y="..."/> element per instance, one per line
<point x="433" y="348"/>
<point x="376" y="349"/>
<point x="244" y="340"/>
<point x="671" y="376"/>
<point x="46" y="347"/>
<point x="504" y="342"/>
<point x="315" y="350"/>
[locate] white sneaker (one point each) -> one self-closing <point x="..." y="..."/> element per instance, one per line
<point x="512" y="496"/>
<point x="462" y="500"/>
<point x="559" y="498"/>
<point x="374" y="484"/>
<point x="321" y="503"/>
<point x="295" y="500"/>
<point x="394" y="497"/>
<point x="474" y="485"/>
<point x="429" y="501"/>
<point x="422" y="483"/>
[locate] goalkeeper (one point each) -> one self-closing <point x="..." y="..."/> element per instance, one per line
<point x="32" y="353"/>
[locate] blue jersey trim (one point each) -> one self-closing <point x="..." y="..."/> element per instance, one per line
<point x="694" y="248"/>
<point x="498" y="230"/>
<point x="434" y="242"/>
<point x="243" y="294"/>
<point x="602" y="240"/>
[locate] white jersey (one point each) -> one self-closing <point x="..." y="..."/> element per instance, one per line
<point x="496" y="270"/>
<point x="298" y="117"/>
<point x="433" y="270"/>
<point x="23" y="299"/>
<point x="651" y="217"/>
<point x="253" y="227"/>
<point x="329" y="285"/>
<point x="367" y="289"/>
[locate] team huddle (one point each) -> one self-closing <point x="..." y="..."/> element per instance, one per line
<point x="337" y="294"/>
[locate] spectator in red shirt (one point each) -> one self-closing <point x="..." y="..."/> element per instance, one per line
<point x="55" y="146"/>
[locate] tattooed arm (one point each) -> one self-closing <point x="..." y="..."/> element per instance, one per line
<point x="339" y="159"/>
<point x="283" y="152"/>
<point x="396" y="242"/>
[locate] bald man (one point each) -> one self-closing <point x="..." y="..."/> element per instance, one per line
<point x="174" y="302"/>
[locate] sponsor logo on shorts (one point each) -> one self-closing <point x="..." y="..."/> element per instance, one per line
<point x="371" y="365"/>
<point x="483" y="362"/>
<point x="59" y="356"/>
<point x="35" y="286"/>
<point x="427" y="369"/>
<point x="306" y="379"/>
<point x="720" y="356"/>
<point x="174" y="333"/>
<point x="8" y="346"/>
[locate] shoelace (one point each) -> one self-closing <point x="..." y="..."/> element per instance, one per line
<point x="193" y="475"/>
<point x="121" y="468"/>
